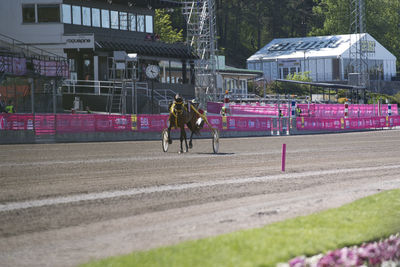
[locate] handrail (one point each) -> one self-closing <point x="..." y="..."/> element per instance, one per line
<point x="30" y="49"/>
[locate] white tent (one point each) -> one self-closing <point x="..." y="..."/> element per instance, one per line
<point x="326" y="58"/>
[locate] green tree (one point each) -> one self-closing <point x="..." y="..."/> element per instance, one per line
<point x="163" y="27"/>
<point x="382" y="20"/>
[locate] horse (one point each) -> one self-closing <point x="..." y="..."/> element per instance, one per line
<point x="181" y="114"/>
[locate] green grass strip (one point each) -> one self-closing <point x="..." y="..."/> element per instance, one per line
<point x="364" y="220"/>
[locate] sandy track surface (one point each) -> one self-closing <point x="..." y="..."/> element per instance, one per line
<point x="65" y="204"/>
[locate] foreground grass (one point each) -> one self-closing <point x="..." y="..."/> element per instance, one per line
<point x="367" y="219"/>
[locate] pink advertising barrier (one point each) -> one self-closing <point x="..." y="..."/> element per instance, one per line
<point x="310" y="123"/>
<point x="15" y="122"/>
<point x="80" y="123"/>
<point x="45" y="124"/>
<point x="313" y="110"/>
<point x="354" y="110"/>
<point x="248" y="123"/>
<point x="249" y="109"/>
<point x="151" y="123"/>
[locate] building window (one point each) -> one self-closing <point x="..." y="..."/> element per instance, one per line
<point x="285" y="72"/>
<point x="96" y="17"/>
<point x="28" y="14"/>
<point x="66" y="14"/>
<point x="48" y="13"/>
<point x="114" y="20"/>
<point x="149" y="24"/>
<point x="105" y="18"/>
<point x="140" y="23"/>
<point x="123" y="21"/>
<point x="86" y="16"/>
<point x="132" y="22"/>
<point x="76" y="15"/>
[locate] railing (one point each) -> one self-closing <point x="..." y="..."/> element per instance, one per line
<point x="26" y="50"/>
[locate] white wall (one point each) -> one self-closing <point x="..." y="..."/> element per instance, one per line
<point x="32" y="33"/>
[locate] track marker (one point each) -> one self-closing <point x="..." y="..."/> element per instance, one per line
<point x="283" y="157"/>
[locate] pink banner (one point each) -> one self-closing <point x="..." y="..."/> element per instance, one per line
<point x="112" y="123"/>
<point x="45" y="124"/>
<point x="354" y="110"/>
<point x="313" y="124"/>
<point x="151" y="123"/>
<point x="249" y="124"/>
<point x="75" y="123"/>
<point x="308" y="110"/>
<point x="15" y="122"/>
<point x="80" y="123"/>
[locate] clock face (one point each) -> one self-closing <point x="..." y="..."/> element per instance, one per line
<point x="152" y="71"/>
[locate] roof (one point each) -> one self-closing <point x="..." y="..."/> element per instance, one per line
<point x="229" y="69"/>
<point x="152" y="3"/>
<point x="319" y="46"/>
<point x="326" y="85"/>
<point x="221" y="69"/>
<point x="148" y="48"/>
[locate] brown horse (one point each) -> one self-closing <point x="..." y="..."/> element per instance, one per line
<point x="181" y="114"/>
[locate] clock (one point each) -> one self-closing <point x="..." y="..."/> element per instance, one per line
<point x="152" y="71"/>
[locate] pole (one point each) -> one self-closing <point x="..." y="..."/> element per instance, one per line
<point x="283" y="157"/>
<point x="152" y="97"/>
<point x="31" y="80"/>
<point x="54" y="96"/>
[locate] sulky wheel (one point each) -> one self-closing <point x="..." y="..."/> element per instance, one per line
<point x="215" y="141"/>
<point x="164" y="137"/>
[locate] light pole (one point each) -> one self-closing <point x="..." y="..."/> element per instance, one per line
<point x="263" y="77"/>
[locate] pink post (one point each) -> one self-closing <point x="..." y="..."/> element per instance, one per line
<point x="283" y="156"/>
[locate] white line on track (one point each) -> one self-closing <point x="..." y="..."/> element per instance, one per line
<point x="156" y="189"/>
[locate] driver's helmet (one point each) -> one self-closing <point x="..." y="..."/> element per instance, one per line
<point x="178" y="97"/>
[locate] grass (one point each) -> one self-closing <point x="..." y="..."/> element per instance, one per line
<point x="364" y="220"/>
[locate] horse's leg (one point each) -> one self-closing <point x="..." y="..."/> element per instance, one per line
<point x="184" y="136"/>
<point x="190" y="141"/>
<point x="181" y="139"/>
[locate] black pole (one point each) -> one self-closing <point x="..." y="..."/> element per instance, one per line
<point x="152" y="96"/>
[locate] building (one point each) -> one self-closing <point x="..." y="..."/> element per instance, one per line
<point x="235" y="80"/>
<point x="102" y="39"/>
<point x="326" y="58"/>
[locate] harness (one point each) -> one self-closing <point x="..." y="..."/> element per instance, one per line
<point x="177" y="111"/>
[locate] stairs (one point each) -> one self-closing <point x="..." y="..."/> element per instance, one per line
<point x="116" y="98"/>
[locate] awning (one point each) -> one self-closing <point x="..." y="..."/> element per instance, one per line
<point x="148" y="48"/>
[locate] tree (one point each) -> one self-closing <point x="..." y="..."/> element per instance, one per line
<point x="382" y="20"/>
<point x="163" y="27"/>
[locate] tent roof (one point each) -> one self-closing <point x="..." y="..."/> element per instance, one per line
<point x="318" y="46"/>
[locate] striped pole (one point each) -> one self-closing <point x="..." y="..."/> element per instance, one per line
<point x="283" y="157"/>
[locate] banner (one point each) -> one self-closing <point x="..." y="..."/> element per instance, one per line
<point x="307" y="110"/>
<point x="315" y="124"/>
<point x="16" y="122"/>
<point x="87" y="123"/>
<point x="45" y="124"/>
<point x="249" y="124"/>
<point x="75" y="123"/>
<point x="151" y="123"/>
<point x="354" y="110"/>
<point x="112" y="123"/>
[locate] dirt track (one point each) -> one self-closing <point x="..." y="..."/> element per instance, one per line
<point x="65" y="204"/>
